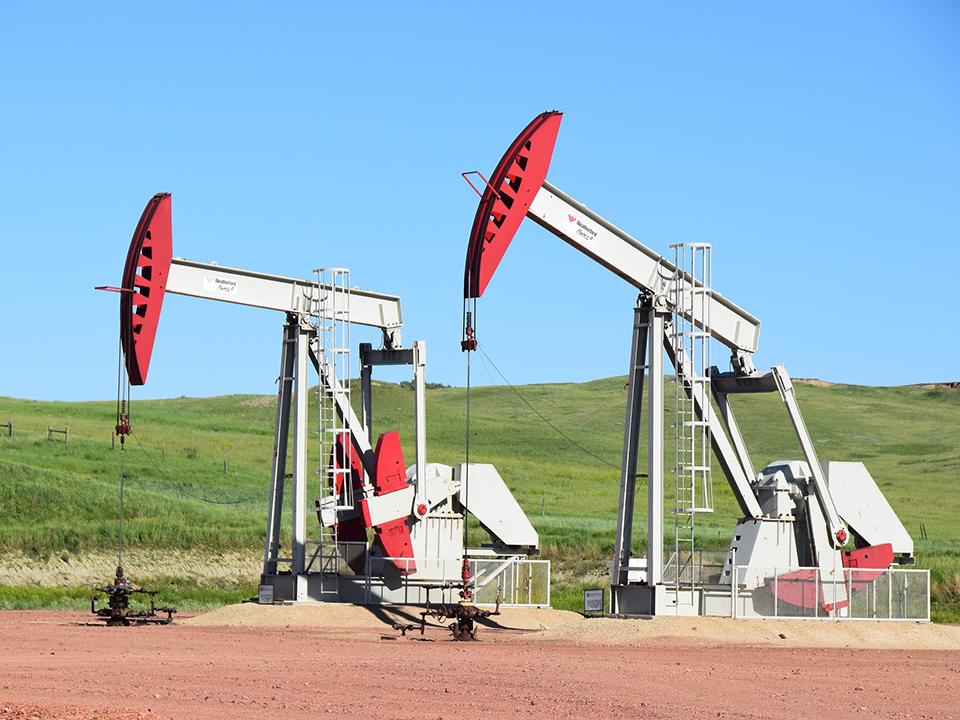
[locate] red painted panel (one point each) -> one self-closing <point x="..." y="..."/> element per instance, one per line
<point x="505" y="201"/>
<point x="390" y="472"/>
<point x="800" y="588"/>
<point x="391" y="475"/>
<point x="352" y="529"/>
<point x="144" y="283"/>
<point x="875" y="556"/>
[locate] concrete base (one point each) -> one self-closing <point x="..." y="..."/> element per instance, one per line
<point x="319" y="587"/>
<point x="708" y="600"/>
<point x="664" y="600"/>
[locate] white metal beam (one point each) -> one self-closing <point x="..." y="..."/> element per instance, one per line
<point x="274" y="292"/>
<point x="420" y="423"/>
<point x="577" y="225"/>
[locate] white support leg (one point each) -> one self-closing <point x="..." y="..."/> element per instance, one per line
<point x="623" y="544"/>
<point x="366" y="403"/>
<point x="420" y="422"/>
<point x="299" y="504"/>
<point x="655" y="451"/>
<point x="281" y="431"/>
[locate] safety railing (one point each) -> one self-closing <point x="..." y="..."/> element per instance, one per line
<point x="517" y="581"/>
<point x="521" y="583"/>
<point x="697" y="568"/>
<point x="848" y="594"/>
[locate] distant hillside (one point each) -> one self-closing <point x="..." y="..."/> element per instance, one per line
<point x="199" y="467"/>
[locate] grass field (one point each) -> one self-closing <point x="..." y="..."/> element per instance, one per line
<point x="198" y="470"/>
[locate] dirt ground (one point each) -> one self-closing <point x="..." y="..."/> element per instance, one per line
<point x="250" y="662"/>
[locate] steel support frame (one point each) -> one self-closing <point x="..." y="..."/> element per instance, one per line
<point x="301" y="396"/>
<point x="631" y="432"/>
<point x="649" y="337"/>
<point x="292" y="396"/>
<point x="415" y="356"/>
<point x="278" y="473"/>
<point x="646" y="354"/>
<point x="824" y="498"/>
<point x="778" y="380"/>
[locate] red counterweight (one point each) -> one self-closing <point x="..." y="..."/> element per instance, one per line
<point x="393" y="536"/>
<point x="352" y="529"/>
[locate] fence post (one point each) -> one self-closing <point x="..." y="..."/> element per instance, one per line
<point x="529" y="583"/>
<point x="848" y="572"/>
<point x="889" y="595"/>
<point x="816" y="593"/>
<point x="733" y="583"/>
<point x="776" y="594"/>
<point x="903" y="596"/>
<point x="51" y="431"/>
<point x="366" y="572"/>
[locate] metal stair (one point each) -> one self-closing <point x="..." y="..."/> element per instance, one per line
<point x="331" y="320"/>
<point x="690" y="338"/>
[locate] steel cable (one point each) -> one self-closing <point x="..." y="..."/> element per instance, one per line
<point x="561" y="433"/>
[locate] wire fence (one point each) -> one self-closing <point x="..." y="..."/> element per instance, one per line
<point x="848" y="594"/>
<point x="516" y="580"/>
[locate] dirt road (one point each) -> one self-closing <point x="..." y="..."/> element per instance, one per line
<point x="53" y="665"/>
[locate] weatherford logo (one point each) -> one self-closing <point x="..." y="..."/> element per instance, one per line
<point x="584" y="231"/>
<point x="219" y="285"/>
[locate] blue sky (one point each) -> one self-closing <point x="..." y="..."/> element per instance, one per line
<point x="816" y="145"/>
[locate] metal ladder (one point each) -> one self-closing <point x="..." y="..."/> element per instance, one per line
<point x="690" y="338"/>
<point x="332" y="324"/>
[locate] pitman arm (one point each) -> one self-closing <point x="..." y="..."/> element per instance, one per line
<point x="838" y="531"/>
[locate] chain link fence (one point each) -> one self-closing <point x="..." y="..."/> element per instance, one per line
<point x="694" y="568"/>
<point x="521" y="583"/>
<point x="847" y="594"/>
<point x="517" y="581"/>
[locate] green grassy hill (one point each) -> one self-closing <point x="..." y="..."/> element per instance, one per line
<point x="198" y="470"/>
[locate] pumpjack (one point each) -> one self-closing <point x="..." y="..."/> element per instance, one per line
<point x="807" y="526"/>
<point x="385" y="531"/>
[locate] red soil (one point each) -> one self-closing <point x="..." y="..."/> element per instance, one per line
<point x="54" y="665"/>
